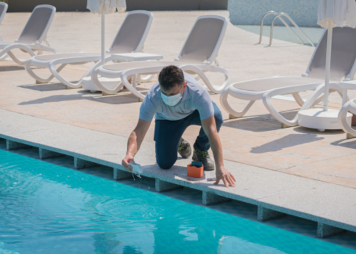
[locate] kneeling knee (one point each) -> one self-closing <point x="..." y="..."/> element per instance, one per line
<point x="165" y="164"/>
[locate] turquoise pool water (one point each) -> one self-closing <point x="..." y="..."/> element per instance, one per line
<point x="45" y="208"/>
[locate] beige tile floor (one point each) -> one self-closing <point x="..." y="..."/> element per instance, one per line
<point x="256" y="139"/>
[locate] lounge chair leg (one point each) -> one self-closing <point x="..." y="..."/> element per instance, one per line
<point x="140" y="100"/>
<point x="231" y="116"/>
<point x="105" y="94"/>
<point x="349" y="136"/>
<point x="39" y="82"/>
<point x="68" y="87"/>
<point x="283" y="125"/>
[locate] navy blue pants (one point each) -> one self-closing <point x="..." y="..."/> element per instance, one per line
<point x="168" y="133"/>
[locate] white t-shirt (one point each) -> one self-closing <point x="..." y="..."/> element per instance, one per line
<point x="195" y="97"/>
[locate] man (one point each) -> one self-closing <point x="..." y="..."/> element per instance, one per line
<point x="178" y="101"/>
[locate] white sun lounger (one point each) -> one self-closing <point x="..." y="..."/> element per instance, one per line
<point x="342" y="66"/>
<point x="199" y="52"/>
<point x="347" y="106"/>
<point x="33" y="34"/>
<point x="3" y="10"/>
<point x="130" y="38"/>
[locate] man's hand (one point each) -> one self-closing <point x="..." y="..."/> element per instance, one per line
<point x="134" y="143"/>
<point x="126" y="162"/>
<point x="222" y="173"/>
<point x="226" y="176"/>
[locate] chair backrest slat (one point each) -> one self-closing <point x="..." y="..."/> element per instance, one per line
<point x="38" y="24"/>
<point x="132" y="33"/>
<point x="3" y="10"/>
<point x="204" y="40"/>
<point x="343" y="55"/>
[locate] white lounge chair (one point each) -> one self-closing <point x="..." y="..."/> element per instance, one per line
<point x="33" y="34"/>
<point x="347" y="106"/>
<point x="130" y="38"/>
<point x="342" y="66"/>
<point x="3" y="10"/>
<point x="199" y="52"/>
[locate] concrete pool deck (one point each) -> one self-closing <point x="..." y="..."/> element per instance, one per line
<point x="295" y="170"/>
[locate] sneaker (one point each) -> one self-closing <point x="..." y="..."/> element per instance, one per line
<point x="184" y="148"/>
<point x="203" y="157"/>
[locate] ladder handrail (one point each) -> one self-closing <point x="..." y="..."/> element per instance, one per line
<point x="272" y="26"/>
<point x="280" y="17"/>
<point x="264" y="16"/>
<point x="296" y="26"/>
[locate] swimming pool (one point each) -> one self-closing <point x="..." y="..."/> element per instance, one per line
<point x="46" y="208"/>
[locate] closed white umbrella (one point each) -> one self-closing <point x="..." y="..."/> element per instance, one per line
<point x="104" y="7"/>
<point x="334" y="13"/>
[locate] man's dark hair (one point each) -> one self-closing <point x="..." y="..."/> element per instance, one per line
<point x="170" y="76"/>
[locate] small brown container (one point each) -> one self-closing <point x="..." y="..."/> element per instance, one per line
<point x="196" y="172"/>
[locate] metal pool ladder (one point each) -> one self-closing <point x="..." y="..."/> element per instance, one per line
<point x="280" y="17"/>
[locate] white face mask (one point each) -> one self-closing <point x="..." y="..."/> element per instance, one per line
<point x="171" y="100"/>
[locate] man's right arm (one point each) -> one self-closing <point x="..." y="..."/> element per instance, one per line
<point x="135" y="141"/>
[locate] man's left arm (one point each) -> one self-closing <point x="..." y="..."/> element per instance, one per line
<point x="222" y="173"/>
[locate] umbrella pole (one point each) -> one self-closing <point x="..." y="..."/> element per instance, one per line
<point x="327" y="65"/>
<point x="102" y="37"/>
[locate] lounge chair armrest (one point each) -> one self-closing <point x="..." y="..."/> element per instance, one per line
<point x="46" y="48"/>
<point x="107" y="73"/>
<point x="345" y="86"/>
<point x="217" y="62"/>
<point x="291" y="90"/>
<point x="318" y="89"/>
<point x="348" y="84"/>
<point x="350" y="106"/>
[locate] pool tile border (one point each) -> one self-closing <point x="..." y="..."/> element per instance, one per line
<point x="269" y="206"/>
